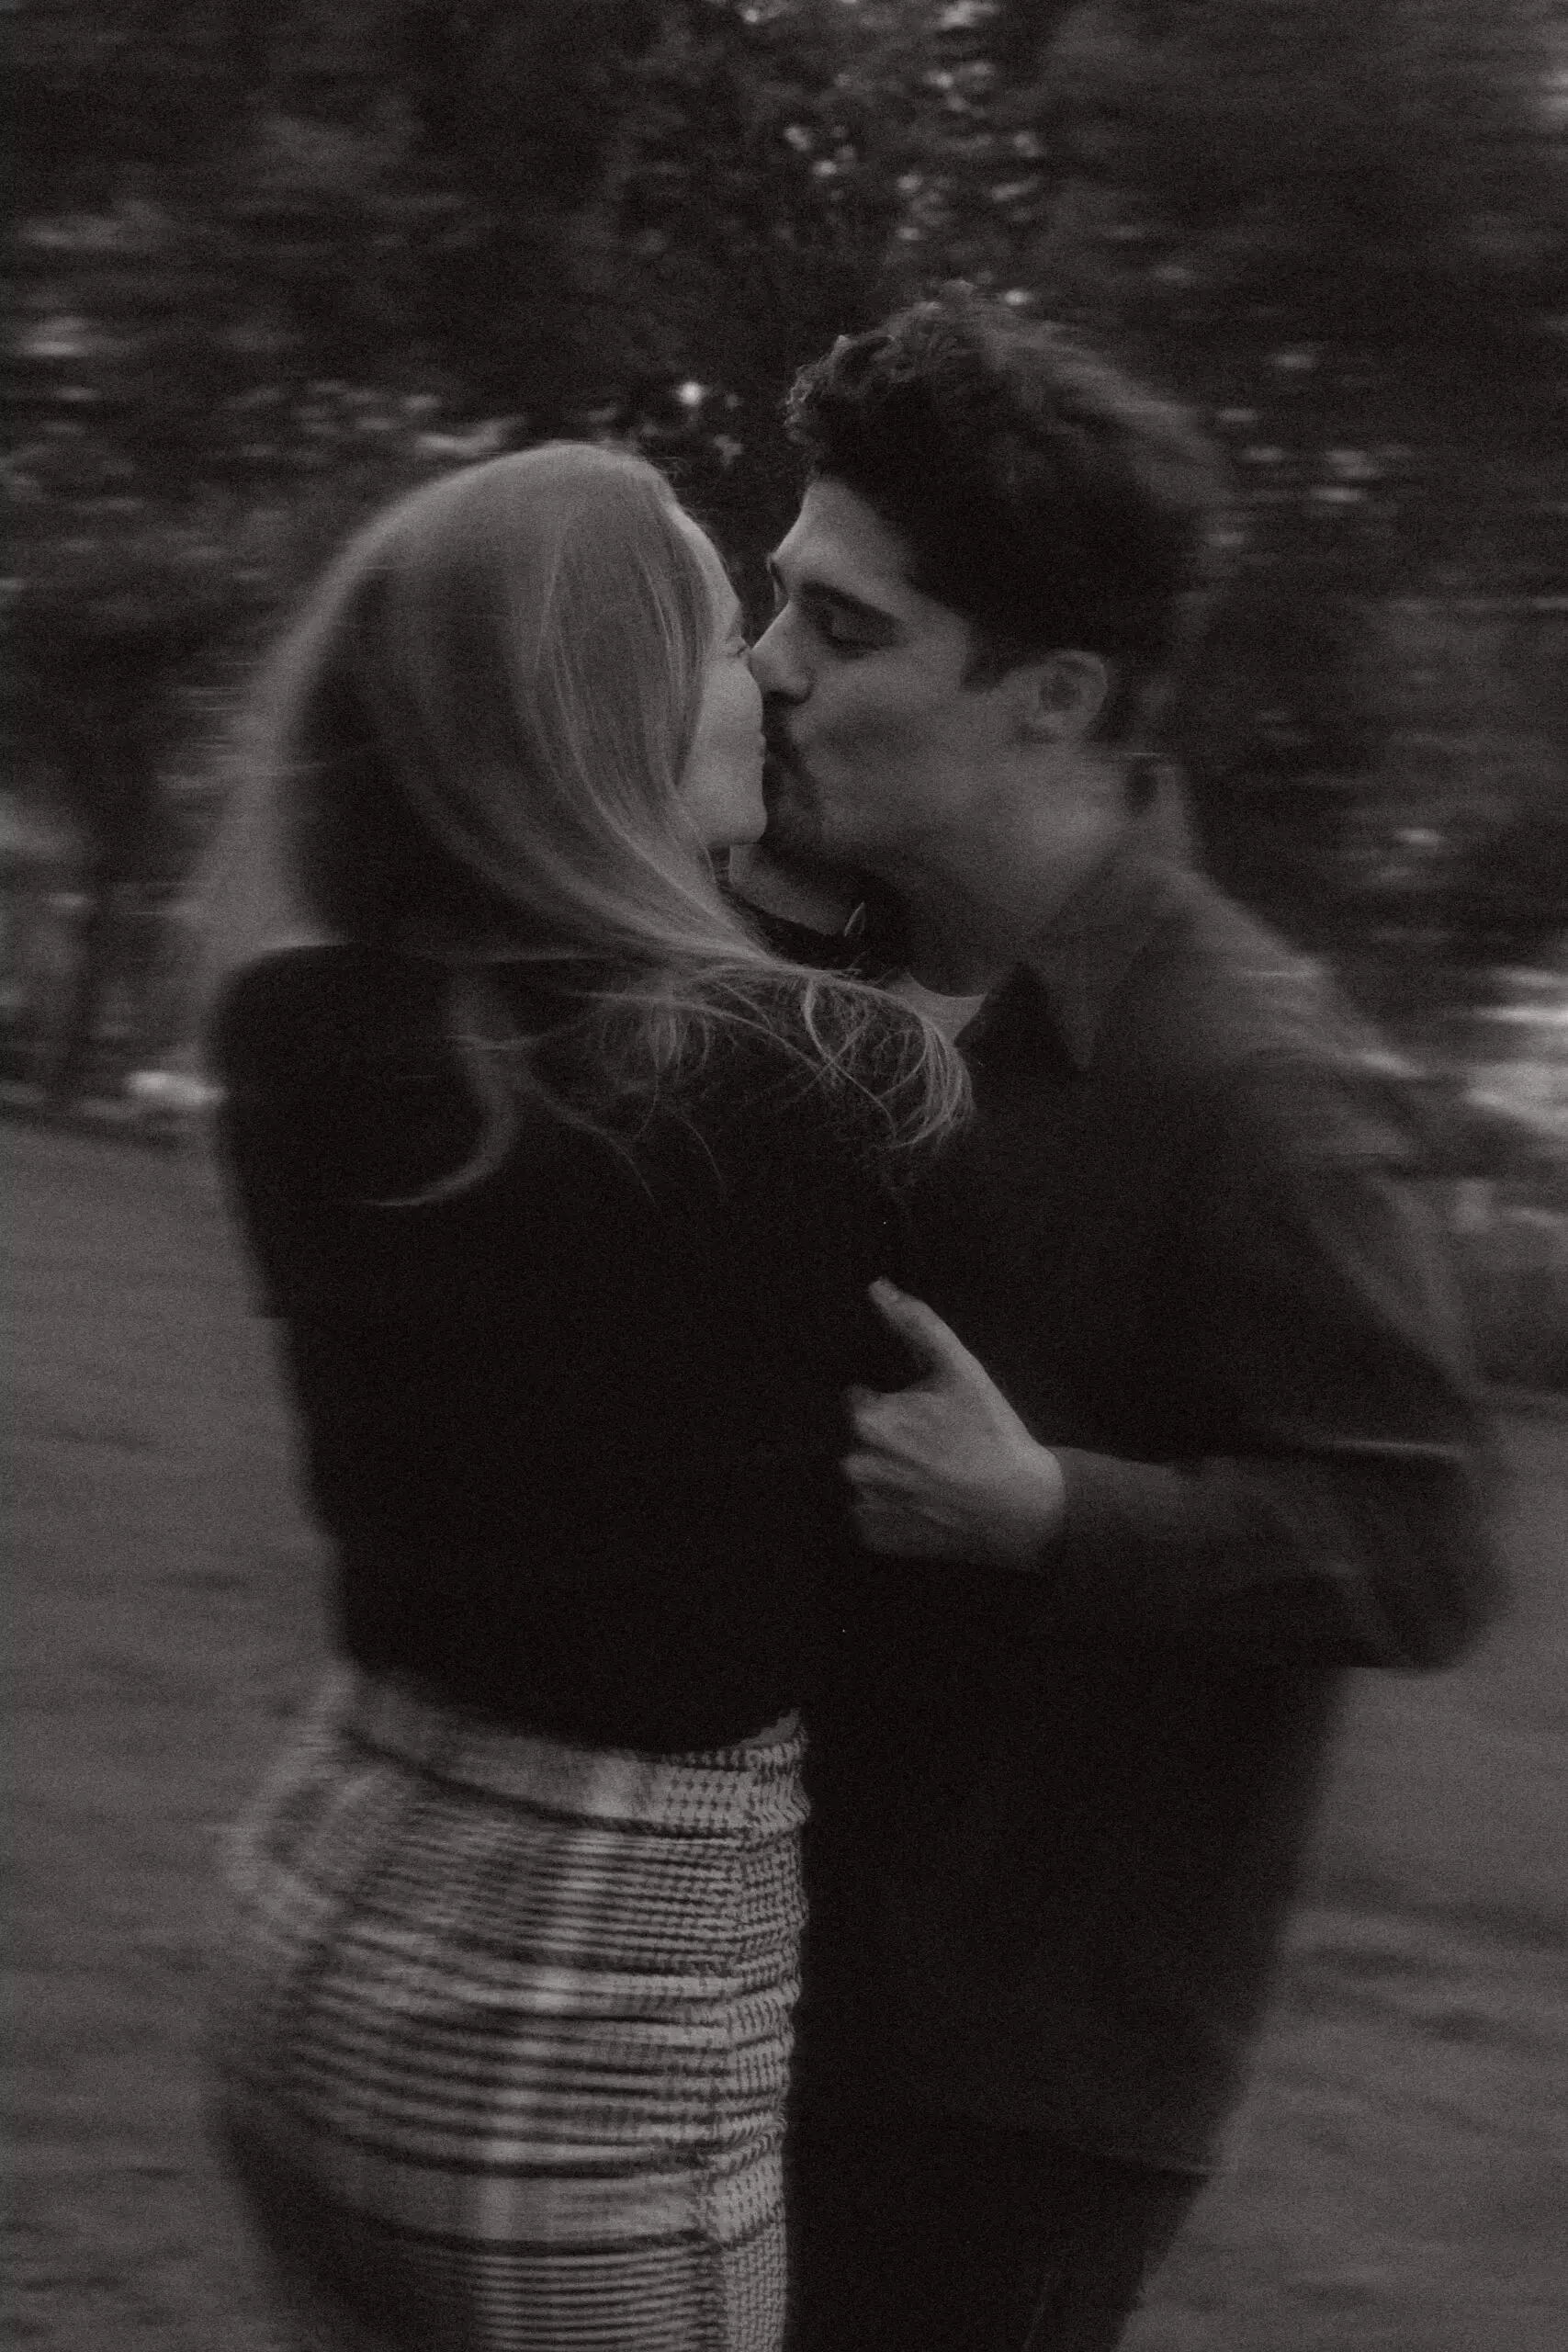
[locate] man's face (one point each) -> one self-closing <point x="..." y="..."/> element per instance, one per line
<point x="878" y="749"/>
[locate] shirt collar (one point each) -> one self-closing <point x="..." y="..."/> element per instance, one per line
<point x="1080" y="957"/>
<point x="1084" y="953"/>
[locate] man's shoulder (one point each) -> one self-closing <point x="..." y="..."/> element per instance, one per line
<point x="1218" y="988"/>
<point x="1233" y="1031"/>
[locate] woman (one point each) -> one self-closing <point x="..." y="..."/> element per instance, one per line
<point x="565" y="1194"/>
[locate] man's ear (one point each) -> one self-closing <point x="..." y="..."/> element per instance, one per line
<point x="1059" y="699"/>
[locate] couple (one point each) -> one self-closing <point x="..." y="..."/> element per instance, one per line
<point x="981" y="1319"/>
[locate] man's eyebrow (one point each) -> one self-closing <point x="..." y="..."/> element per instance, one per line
<point x="823" y="591"/>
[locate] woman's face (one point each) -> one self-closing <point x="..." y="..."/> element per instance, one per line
<point x="721" y="784"/>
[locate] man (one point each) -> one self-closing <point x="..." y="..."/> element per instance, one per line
<point x="1229" y="1446"/>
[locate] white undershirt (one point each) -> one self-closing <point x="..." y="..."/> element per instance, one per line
<point x="948" y="1013"/>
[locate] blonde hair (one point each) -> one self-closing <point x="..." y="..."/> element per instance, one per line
<point x="469" y="747"/>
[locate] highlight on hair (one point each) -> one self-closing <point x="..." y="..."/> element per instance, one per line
<point x="469" y="747"/>
<point x="1042" y="494"/>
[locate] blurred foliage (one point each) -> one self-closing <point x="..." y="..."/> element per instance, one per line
<point x="267" y="263"/>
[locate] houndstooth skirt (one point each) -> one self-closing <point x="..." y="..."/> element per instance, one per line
<point x="501" y="2033"/>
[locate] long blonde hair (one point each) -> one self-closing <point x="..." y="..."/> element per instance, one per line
<point x="469" y="747"/>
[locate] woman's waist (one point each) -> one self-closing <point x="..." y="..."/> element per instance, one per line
<point x="782" y="1733"/>
<point x="596" y="1762"/>
<point x="620" y="1650"/>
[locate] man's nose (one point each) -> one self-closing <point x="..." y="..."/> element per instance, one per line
<point x="774" y="664"/>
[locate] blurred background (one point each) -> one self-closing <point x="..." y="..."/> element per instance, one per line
<point x="269" y="261"/>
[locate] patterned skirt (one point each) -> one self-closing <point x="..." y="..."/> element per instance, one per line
<point x="501" y="2033"/>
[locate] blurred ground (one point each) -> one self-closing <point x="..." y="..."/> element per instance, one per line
<point x="1401" y="2175"/>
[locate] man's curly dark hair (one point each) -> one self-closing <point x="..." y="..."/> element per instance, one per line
<point x="1041" y="493"/>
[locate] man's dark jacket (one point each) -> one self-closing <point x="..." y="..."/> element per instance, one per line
<point x="1058" y="1816"/>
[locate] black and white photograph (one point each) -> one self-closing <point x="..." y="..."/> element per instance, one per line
<point x="784" y="1082"/>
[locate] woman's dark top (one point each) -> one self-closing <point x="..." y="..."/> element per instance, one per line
<point x="573" y="1429"/>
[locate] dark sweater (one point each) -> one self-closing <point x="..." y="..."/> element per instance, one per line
<point x="572" y="1428"/>
<point x="1058" y="1815"/>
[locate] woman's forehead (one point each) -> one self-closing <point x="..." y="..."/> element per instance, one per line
<point x="720" y="586"/>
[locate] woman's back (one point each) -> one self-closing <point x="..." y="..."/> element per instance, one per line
<point x="571" y="1425"/>
<point x="569" y="1276"/>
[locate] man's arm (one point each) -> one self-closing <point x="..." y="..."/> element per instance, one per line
<point x="1323" y="1324"/>
<point x="1311" y="1313"/>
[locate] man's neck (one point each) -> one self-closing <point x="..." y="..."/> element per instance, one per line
<point x="972" y="911"/>
<point x="971" y="901"/>
<point x="954" y="950"/>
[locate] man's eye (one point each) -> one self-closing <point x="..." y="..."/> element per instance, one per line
<point x="842" y="636"/>
<point x="838" y="629"/>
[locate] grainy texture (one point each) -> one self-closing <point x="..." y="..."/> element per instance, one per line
<point x="1400" y="2171"/>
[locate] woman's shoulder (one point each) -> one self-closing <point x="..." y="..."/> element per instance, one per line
<point x="338" y="1056"/>
<point x="325" y="1001"/>
<point x="325" y="979"/>
<point x="811" y="1069"/>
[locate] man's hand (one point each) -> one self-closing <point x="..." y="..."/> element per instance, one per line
<point x="945" y="1470"/>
